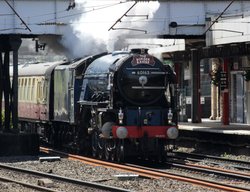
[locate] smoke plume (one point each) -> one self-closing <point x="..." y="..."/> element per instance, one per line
<point x="90" y="34"/>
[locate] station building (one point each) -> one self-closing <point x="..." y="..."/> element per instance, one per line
<point x="209" y="46"/>
<point x="214" y="68"/>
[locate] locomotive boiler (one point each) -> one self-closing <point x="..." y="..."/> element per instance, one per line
<point x="129" y="99"/>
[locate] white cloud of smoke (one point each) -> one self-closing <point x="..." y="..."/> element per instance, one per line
<point x="90" y="34"/>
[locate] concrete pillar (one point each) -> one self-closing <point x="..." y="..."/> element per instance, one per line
<point x="214" y="90"/>
<point x="179" y="69"/>
<point x="220" y="105"/>
<point x="215" y="102"/>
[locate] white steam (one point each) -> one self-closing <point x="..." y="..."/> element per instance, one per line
<point x="90" y="34"/>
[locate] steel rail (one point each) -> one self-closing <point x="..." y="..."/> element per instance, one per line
<point x="188" y="159"/>
<point x="208" y="169"/>
<point x="97" y="162"/>
<point x="203" y="182"/>
<point x="40" y="188"/>
<point x="63" y="179"/>
<point x="148" y="172"/>
<point x="199" y="157"/>
<point x="224" y="170"/>
<point x="213" y="162"/>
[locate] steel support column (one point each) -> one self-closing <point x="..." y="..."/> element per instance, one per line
<point x="8" y="44"/>
<point x="225" y="92"/>
<point x="6" y="91"/>
<point x="195" y="83"/>
<point x="1" y="90"/>
<point x="15" y="44"/>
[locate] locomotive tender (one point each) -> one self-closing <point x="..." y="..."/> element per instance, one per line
<point x="110" y="105"/>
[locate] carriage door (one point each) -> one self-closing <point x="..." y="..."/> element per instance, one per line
<point x="42" y="99"/>
<point x="238" y="114"/>
<point x="71" y="95"/>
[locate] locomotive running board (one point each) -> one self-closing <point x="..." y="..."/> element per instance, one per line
<point x="93" y="103"/>
<point x="147" y="87"/>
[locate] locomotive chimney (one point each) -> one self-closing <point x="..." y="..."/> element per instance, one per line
<point x="139" y="51"/>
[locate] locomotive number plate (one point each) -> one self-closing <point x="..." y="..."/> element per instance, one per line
<point x="142" y="72"/>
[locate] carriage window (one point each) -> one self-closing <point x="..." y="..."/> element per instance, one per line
<point x="42" y="91"/>
<point x="19" y="88"/>
<point x="33" y="90"/>
<point x="25" y="89"/>
<point x="45" y="91"/>
<point x="38" y="91"/>
<point x="29" y="89"/>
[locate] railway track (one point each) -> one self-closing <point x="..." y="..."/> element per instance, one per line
<point x="26" y="185"/>
<point x="193" y="157"/>
<point x="188" y="161"/>
<point x="212" y="170"/>
<point x="56" y="178"/>
<point x="150" y="172"/>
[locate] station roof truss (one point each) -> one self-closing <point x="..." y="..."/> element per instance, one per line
<point x="216" y="51"/>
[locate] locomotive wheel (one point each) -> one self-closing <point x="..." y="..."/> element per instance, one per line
<point x="120" y="151"/>
<point x="161" y="154"/>
<point x="101" y="148"/>
<point x="107" y="152"/>
<point x="112" y="155"/>
<point x="113" y="152"/>
<point x="100" y="154"/>
<point x="94" y="144"/>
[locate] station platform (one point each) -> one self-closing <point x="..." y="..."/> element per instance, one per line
<point x="215" y="126"/>
<point x="214" y="132"/>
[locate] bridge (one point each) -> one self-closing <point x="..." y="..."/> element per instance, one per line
<point x="216" y="21"/>
<point x="165" y="26"/>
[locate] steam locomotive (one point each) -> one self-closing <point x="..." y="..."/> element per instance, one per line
<point x="110" y="105"/>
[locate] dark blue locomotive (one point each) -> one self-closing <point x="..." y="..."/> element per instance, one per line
<point x="110" y="105"/>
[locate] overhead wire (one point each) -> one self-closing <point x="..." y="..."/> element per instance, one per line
<point x="93" y="8"/>
<point x="64" y="10"/>
<point x="219" y="16"/>
<point x="84" y="12"/>
<point x="12" y="29"/>
<point x="27" y="27"/>
<point x="6" y="14"/>
<point x="98" y="7"/>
